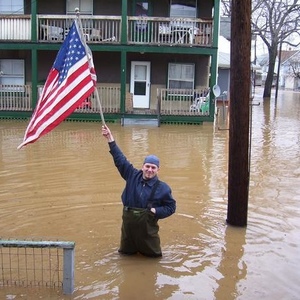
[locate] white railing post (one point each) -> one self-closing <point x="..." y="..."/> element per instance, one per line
<point x="68" y="271"/>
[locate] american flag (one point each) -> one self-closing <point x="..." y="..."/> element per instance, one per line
<point x="71" y="80"/>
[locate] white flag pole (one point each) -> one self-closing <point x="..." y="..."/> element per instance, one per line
<point x="87" y="50"/>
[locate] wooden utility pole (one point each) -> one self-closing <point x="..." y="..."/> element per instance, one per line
<point x="240" y="83"/>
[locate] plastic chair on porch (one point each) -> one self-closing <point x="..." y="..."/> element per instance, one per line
<point x="205" y="106"/>
<point x="196" y="106"/>
<point x="200" y="104"/>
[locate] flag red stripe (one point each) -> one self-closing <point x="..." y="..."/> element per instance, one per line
<point x="51" y="77"/>
<point x="56" y="103"/>
<point x="71" y="80"/>
<point x="64" y="109"/>
<point x="42" y="130"/>
<point x="54" y="115"/>
<point x="55" y="99"/>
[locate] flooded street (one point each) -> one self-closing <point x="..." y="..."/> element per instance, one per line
<point x="65" y="187"/>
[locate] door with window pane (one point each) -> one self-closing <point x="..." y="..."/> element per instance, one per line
<point x="140" y="84"/>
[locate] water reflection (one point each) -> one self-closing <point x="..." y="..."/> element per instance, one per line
<point x="232" y="267"/>
<point x="65" y="187"/>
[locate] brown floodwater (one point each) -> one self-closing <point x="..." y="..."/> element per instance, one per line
<point x="66" y="187"/>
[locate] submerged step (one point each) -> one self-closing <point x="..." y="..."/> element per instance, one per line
<point x="140" y="121"/>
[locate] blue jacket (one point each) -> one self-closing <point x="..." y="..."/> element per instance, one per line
<point x="137" y="190"/>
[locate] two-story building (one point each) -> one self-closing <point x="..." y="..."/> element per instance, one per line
<point x="153" y="59"/>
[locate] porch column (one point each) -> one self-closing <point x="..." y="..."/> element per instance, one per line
<point x="33" y="21"/>
<point x="213" y="81"/>
<point x="214" y="57"/>
<point x="124" y="22"/>
<point x="216" y="23"/>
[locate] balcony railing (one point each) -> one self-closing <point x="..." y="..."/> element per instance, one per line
<point x="107" y="29"/>
<point x="96" y="29"/>
<point x="15" y="27"/>
<point x="15" y="97"/>
<point x="169" y="31"/>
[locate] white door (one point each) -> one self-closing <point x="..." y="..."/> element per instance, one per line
<point x="140" y="84"/>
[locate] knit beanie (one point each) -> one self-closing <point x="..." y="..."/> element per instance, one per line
<point x="152" y="159"/>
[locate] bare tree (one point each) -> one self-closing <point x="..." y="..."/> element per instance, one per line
<point x="226" y="8"/>
<point x="275" y="22"/>
<point x="294" y="66"/>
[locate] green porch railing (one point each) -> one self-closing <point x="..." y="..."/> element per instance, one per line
<point x="15" y="97"/>
<point x="184" y="102"/>
<point x="170" y="102"/>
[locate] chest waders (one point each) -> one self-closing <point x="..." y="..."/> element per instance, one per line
<point x="139" y="232"/>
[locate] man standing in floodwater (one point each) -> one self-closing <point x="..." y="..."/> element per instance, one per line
<point x="145" y="198"/>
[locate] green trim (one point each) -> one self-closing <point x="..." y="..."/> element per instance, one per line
<point x="214" y="72"/>
<point x="86" y="117"/>
<point x="19" y="115"/>
<point x="116" y="118"/>
<point x="169" y="49"/>
<point x="139" y="116"/>
<point x="115" y="48"/>
<point x="216" y="23"/>
<point x="124" y="22"/>
<point x="33" y="21"/>
<point x="16" y="46"/>
<point x="214" y="56"/>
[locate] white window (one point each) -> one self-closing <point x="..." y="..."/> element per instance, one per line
<point x="12" y="7"/>
<point x="183" y="9"/>
<point x="85" y="6"/>
<point x="181" y="76"/>
<point x="12" y="72"/>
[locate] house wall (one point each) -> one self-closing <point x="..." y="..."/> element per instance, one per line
<point x="223" y="79"/>
<point x="27" y="7"/>
<point x="291" y="83"/>
<point x="205" y="9"/>
<point x="114" y="7"/>
<point x="108" y="8"/>
<point x="54" y="7"/>
<point x="107" y="66"/>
